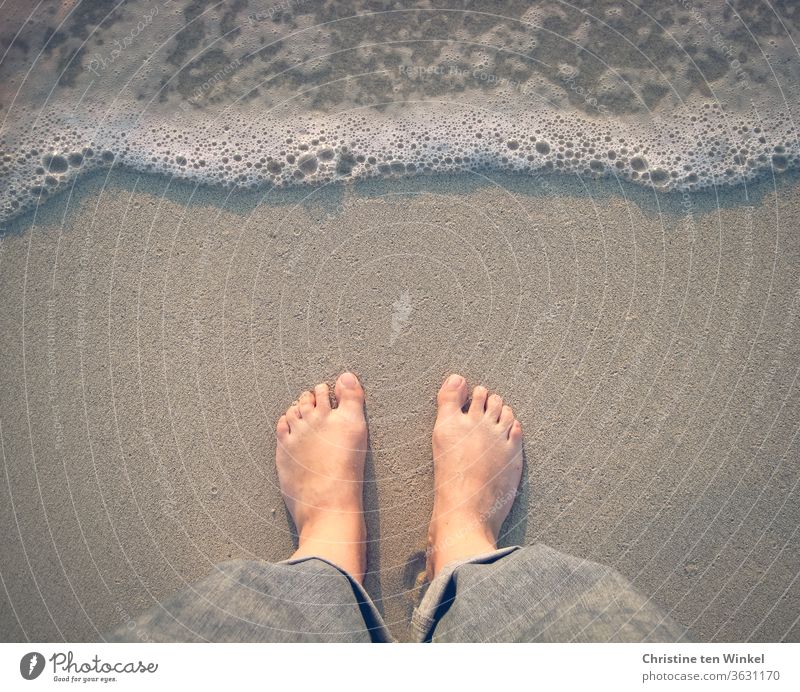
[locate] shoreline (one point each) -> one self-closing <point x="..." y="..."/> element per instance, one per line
<point x="674" y="202"/>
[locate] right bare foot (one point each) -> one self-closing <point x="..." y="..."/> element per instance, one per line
<point x="477" y="463"/>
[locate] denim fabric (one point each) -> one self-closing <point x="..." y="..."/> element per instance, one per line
<point x="537" y="594"/>
<point x="306" y="600"/>
<point x="533" y="594"/>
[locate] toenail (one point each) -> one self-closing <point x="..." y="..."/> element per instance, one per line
<point x="348" y="379"/>
<point x="454" y="381"/>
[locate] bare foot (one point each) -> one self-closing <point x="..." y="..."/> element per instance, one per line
<point x="477" y="463"/>
<point x="320" y="459"/>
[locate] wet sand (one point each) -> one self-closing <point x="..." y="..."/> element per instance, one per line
<point x="152" y="333"/>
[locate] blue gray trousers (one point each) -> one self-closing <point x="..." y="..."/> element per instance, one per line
<point x="532" y="594"/>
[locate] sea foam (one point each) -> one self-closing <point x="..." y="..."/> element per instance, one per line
<point x="263" y="94"/>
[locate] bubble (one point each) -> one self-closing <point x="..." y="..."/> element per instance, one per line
<point x="659" y="176"/>
<point x="308" y="163"/>
<point x="55" y="163"/>
<point x="780" y="161"/>
<point x="346" y="163"/>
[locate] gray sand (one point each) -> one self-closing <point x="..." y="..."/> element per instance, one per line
<point x="150" y="340"/>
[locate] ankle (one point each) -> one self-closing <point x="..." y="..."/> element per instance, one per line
<point x="339" y="538"/>
<point x="454" y="537"/>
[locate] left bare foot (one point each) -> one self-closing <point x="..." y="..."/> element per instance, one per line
<point x="320" y="460"/>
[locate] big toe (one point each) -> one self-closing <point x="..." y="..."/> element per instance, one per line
<point x="349" y="393"/>
<point x="452" y="394"/>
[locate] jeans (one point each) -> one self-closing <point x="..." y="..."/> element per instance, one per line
<point x="531" y="594"/>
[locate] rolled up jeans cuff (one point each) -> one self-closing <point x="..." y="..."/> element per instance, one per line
<point x="372" y="617"/>
<point x="427" y="612"/>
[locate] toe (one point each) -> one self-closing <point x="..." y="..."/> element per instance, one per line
<point x="478" y="405"/>
<point x="452" y="395"/>
<point x="494" y="407"/>
<point x="321" y="394"/>
<point x="306" y="403"/>
<point x="506" y="418"/>
<point x="293" y="414"/>
<point x="283" y="426"/>
<point x="515" y="434"/>
<point x="349" y="394"/>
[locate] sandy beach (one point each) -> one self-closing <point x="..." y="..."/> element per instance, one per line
<point x="152" y="332"/>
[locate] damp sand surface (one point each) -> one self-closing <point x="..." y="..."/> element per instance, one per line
<point x="152" y="333"/>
